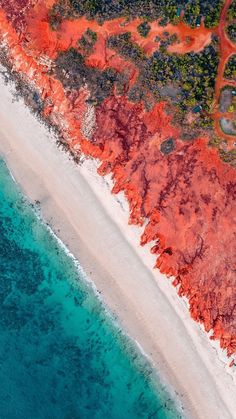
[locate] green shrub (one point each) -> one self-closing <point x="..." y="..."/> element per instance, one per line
<point x="231" y="30"/>
<point x="143" y="29"/>
<point x="230" y="68"/>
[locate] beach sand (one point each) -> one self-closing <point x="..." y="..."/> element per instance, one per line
<point x="93" y="224"/>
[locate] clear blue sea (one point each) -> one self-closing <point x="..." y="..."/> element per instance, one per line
<point x="61" y="355"/>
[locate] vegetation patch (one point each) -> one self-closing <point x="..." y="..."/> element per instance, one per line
<point x="231" y="30"/>
<point x="143" y="29"/>
<point x="195" y="10"/>
<point x="215" y="142"/>
<point x="230" y="68"/>
<point x="228" y="156"/>
<point x="125" y="47"/>
<point x="164" y="10"/>
<point x="87" y="41"/>
<point x="71" y="70"/>
<point x="193" y="74"/>
<point x="231" y="15"/>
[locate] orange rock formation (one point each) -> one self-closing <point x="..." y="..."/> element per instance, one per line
<point x="184" y="191"/>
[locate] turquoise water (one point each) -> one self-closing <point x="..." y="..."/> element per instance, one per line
<point x="61" y="355"/>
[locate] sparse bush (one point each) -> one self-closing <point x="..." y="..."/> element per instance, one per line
<point x="231" y="15"/>
<point x="231" y="30"/>
<point x="71" y="70"/>
<point x="125" y="47"/>
<point x="87" y="41"/>
<point x="230" y="68"/>
<point x="143" y="29"/>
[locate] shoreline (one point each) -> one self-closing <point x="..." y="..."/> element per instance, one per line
<point x="108" y="250"/>
<point x="159" y="383"/>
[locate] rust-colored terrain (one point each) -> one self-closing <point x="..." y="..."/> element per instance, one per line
<point x="128" y="92"/>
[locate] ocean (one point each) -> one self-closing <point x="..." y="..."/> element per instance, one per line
<point x="62" y="355"/>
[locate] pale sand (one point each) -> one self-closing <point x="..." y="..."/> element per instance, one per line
<point x="93" y="224"/>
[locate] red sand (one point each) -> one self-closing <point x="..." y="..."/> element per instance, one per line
<point x="188" y="196"/>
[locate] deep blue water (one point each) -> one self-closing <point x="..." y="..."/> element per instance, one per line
<point x="61" y="355"/>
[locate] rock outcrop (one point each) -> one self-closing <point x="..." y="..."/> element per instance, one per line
<point x="181" y="190"/>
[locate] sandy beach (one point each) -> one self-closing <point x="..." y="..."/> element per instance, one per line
<point x="92" y="223"/>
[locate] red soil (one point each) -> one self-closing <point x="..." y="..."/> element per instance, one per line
<point x="188" y="197"/>
<point x="70" y="31"/>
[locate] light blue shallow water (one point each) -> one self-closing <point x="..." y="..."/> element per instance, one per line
<point x="61" y="355"/>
